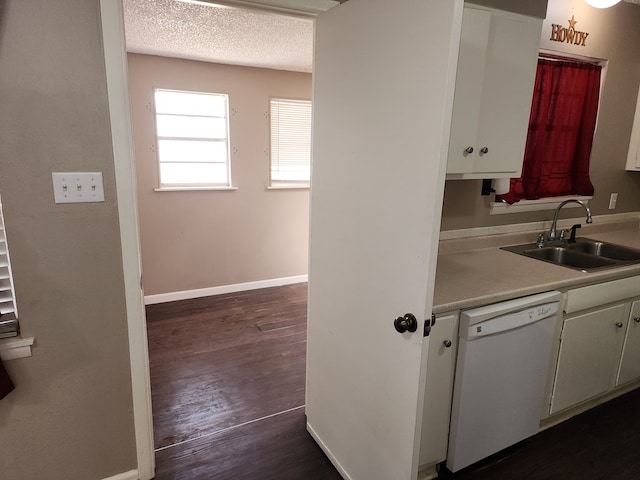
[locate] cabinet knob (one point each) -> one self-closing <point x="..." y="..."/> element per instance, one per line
<point x="408" y="323"/>
<point x="484" y="150"/>
<point x="619" y="324"/>
<point x="636" y="319"/>
<point x="447" y="343"/>
<point x="468" y="150"/>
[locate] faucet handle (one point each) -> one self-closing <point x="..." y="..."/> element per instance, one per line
<point x="572" y="238"/>
<point x="540" y="241"/>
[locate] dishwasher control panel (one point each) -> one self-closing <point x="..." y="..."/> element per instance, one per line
<point x="507" y="322"/>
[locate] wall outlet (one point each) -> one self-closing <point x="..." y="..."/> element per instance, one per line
<point x="77" y="187"/>
<point x="613" y="200"/>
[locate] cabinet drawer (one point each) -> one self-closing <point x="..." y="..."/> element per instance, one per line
<point x="601" y="294"/>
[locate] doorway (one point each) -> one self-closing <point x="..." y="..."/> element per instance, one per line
<point x="117" y="84"/>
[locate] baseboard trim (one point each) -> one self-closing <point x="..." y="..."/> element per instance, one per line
<point x="327" y="452"/>
<point x="237" y="287"/>
<point x="130" y="475"/>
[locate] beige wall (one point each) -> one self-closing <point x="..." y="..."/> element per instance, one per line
<point x="613" y="35"/>
<point x="70" y="417"/>
<point x="201" y="239"/>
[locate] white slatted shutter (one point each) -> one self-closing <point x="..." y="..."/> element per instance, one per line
<point x="8" y="314"/>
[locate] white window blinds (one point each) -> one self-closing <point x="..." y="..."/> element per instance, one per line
<point x="290" y="141"/>
<point x="8" y="314"/>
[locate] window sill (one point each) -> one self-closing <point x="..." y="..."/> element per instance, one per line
<point x="551" y="203"/>
<point x="288" y="186"/>
<point x="191" y="189"/>
<point x="14" y="348"/>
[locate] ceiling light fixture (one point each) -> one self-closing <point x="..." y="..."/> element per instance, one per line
<point x="602" y="3"/>
<point x="204" y="3"/>
<point x="296" y="8"/>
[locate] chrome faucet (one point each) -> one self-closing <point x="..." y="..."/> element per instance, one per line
<point x="552" y="232"/>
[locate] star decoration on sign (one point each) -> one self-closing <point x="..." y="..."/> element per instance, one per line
<point x="572" y="22"/>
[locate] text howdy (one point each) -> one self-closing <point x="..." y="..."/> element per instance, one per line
<point x="568" y="35"/>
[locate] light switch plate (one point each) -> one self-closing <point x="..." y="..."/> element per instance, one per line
<point x="77" y="187"/>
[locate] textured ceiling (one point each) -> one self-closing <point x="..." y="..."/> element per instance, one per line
<point x="221" y="34"/>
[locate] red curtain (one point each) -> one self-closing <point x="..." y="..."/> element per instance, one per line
<point x="561" y="126"/>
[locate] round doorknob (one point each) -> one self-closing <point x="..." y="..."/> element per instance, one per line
<point x="468" y="150"/>
<point x="408" y="323"/>
<point x="619" y="324"/>
<point x="636" y="319"/>
<point x="447" y="343"/>
<point x="484" y="150"/>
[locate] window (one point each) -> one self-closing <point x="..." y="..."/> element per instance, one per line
<point x="290" y="142"/>
<point x="193" y="139"/>
<point x="8" y="314"/>
<point x="561" y="128"/>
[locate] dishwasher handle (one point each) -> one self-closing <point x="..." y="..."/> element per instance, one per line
<point x="510" y="321"/>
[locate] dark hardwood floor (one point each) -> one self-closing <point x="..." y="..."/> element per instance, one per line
<point x="600" y="444"/>
<point x="227" y="386"/>
<point x="227" y="378"/>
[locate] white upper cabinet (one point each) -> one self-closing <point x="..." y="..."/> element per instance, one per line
<point x="633" y="157"/>
<point x="494" y="87"/>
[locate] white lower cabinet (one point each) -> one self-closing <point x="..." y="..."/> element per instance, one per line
<point x="630" y="362"/>
<point x="599" y="344"/>
<point x="443" y="344"/>
<point x="590" y="349"/>
<point x="599" y="351"/>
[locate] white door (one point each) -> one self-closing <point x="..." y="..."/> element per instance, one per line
<point x="384" y="75"/>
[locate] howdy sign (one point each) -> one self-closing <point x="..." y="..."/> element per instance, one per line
<point x="568" y="35"/>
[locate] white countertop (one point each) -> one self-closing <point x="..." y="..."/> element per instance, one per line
<point x="474" y="277"/>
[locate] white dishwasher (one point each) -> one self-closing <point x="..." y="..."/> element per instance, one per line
<point x="501" y="374"/>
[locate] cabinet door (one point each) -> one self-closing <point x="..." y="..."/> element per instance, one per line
<point x="494" y="87"/>
<point x="589" y="352"/>
<point x="466" y="105"/>
<point x="630" y="363"/>
<point x="443" y="345"/>
<point x="633" y="157"/>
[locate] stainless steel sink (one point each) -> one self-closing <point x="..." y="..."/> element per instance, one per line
<point x="569" y="258"/>
<point x="607" y="250"/>
<point x="583" y="254"/>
